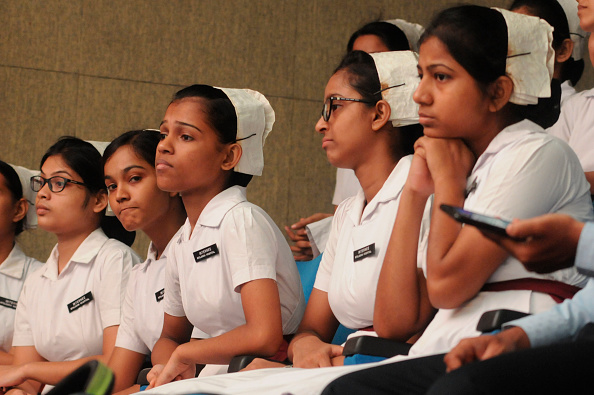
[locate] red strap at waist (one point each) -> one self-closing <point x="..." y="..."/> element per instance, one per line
<point x="368" y="329"/>
<point x="555" y="289"/>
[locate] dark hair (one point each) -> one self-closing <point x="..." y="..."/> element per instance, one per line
<point x="391" y="35"/>
<point x="552" y="12"/>
<point x="363" y="78"/>
<point x="13" y="183"/>
<point x="143" y="143"/>
<point x="220" y="115"/>
<point x="82" y="157"/>
<point x="476" y="37"/>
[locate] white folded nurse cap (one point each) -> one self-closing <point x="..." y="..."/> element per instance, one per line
<point x="25" y="177"/>
<point x="412" y="31"/>
<point x="530" y="57"/>
<point x="255" y="118"/>
<point x="577" y="34"/>
<point x="399" y="78"/>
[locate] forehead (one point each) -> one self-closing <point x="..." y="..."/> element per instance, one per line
<point x="369" y="43"/>
<point x="55" y="164"/>
<point x="124" y="155"/>
<point x="187" y="108"/>
<point x="339" y="84"/>
<point x="433" y="51"/>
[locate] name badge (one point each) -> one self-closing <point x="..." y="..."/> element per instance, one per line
<point x="159" y="295"/>
<point x="11" y="304"/>
<point x="206" y="253"/>
<point x="80" y="302"/>
<point x="364" y="252"/>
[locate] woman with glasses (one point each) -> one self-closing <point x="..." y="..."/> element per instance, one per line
<point x="369" y="124"/>
<point x="69" y="310"/>
<point x="15" y="266"/>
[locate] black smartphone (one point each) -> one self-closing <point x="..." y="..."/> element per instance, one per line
<point x="484" y="222"/>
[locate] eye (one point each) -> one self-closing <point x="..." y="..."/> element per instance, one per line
<point x="441" y="77"/>
<point x="186" y="137"/>
<point x="134" y="179"/>
<point x="162" y="136"/>
<point x="111" y="187"/>
<point x="59" y="182"/>
<point x="420" y="76"/>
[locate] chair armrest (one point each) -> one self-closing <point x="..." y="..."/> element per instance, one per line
<point x="494" y="319"/>
<point x="375" y="346"/>
<point x="141" y="378"/>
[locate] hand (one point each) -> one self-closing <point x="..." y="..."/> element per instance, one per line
<point x="419" y="178"/>
<point x="311" y="352"/>
<point x="260" y="363"/>
<point x="448" y="160"/>
<point x="543" y="244"/>
<point x="11" y="376"/>
<point x="302" y="247"/>
<point x="485" y="347"/>
<point x="176" y="369"/>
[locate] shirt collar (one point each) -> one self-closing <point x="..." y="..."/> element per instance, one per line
<point x="215" y="210"/>
<point x="507" y="136"/>
<point x="85" y="253"/>
<point x="14" y="264"/>
<point x="389" y="191"/>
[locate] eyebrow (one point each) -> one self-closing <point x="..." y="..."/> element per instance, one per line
<point x="55" y="173"/>
<point x="126" y="170"/>
<point x="183" y="124"/>
<point x="433" y="66"/>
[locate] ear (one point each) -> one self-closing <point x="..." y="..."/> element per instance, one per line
<point x="100" y="201"/>
<point x="381" y="115"/>
<point x="564" y="51"/>
<point x="232" y="155"/>
<point x="500" y="91"/>
<point x="20" y="210"/>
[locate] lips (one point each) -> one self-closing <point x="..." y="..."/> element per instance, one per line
<point x="162" y="164"/>
<point x="424" y="118"/>
<point x="325" y="142"/>
<point x="41" y="209"/>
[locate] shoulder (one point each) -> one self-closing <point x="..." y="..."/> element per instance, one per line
<point x="114" y="249"/>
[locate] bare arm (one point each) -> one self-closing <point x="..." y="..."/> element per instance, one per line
<point x="31" y="367"/>
<point x="459" y="260"/>
<point x="590" y="178"/>
<point x="311" y="345"/>
<point x="125" y="365"/>
<point x="261" y="334"/>
<point x="402" y="305"/>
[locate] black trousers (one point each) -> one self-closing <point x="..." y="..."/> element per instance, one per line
<point x="558" y="369"/>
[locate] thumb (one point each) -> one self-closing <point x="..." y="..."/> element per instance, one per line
<point x="336" y="350"/>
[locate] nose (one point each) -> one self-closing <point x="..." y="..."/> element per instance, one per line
<point x="421" y="94"/>
<point x="321" y="126"/>
<point x="122" y="194"/>
<point x="164" y="145"/>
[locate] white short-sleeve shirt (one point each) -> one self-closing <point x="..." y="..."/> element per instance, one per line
<point x="142" y="313"/>
<point x="347" y="185"/>
<point x="523" y="173"/>
<point x="233" y="242"/>
<point x="356" y="248"/>
<point x="576" y="127"/>
<point x="63" y="315"/>
<point x="13" y="272"/>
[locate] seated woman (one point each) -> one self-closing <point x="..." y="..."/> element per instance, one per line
<point x="368" y="125"/>
<point x="467" y="61"/>
<point x="69" y="310"/>
<point x="230" y="273"/>
<point x="310" y="234"/>
<point x="15" y="266"/>
<point x="131" y="181"/>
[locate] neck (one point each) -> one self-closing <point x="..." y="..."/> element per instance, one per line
<point x="165" y="227"/>
<point x="196" y="200"/>
<point x="490" y="130"/>
<point x="68" y="244"/>
<point x="6" y="246"/>
<point x="373" y="173"/>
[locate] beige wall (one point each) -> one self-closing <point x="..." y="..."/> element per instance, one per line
<point x="95" y="69"/>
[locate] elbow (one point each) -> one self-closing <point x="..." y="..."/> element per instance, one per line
<point x="395" y="327"/>
<point x="443" y="296"/>
<point x="267" y="343"/>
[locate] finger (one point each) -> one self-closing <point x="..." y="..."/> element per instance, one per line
<point x="335" y="350"/>
<point x="301" y="223"/>
<point x="290" y="233"/>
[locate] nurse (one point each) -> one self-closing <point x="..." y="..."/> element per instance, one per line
<point x="369" y="124"/>
<point x="139" y="204"/>
<point x="230" y="273"/>
<point x="69" y="310"/>
<point x="15" y="266"/>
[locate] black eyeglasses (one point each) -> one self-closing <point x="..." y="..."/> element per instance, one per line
<point x="327" y="110"/>
<point x="56" y="183"/>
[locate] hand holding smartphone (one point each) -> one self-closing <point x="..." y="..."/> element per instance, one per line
<point x="483" y="222"/>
